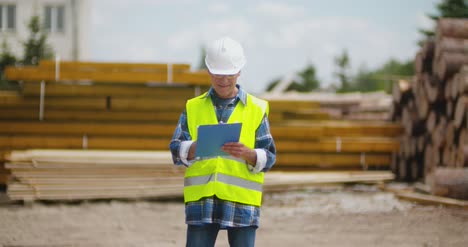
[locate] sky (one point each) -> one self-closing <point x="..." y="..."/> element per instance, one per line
<point x="279" y="37"/>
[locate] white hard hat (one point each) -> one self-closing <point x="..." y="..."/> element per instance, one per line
<point x="224" y="56"/>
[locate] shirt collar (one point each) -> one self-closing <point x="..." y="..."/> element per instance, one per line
<point x="241" y="94"/>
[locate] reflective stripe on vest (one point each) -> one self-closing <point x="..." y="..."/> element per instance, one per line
<point x="226" y="177"/>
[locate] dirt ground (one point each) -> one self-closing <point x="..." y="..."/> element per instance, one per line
<point x="344" y="216"/>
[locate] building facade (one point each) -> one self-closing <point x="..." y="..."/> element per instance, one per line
<point x="65" y="21"/>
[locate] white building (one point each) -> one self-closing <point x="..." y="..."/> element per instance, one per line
<point x="66" y="22"/>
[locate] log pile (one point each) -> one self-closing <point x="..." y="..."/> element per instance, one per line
<point x="433" y="106"/>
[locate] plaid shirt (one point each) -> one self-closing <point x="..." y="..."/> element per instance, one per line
<point x="212" y="209"/>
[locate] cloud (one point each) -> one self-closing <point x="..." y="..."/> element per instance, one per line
<point x="280" y="10"/>
<point x="237" y="27"/>
<point x="218" y="7"/>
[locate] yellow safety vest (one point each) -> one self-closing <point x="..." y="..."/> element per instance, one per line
<point x="226" y="177"/>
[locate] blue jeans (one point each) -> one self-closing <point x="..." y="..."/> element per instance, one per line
<point x="205" y="236"/>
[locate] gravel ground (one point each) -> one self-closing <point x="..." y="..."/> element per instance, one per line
<point x="337" y="216"/>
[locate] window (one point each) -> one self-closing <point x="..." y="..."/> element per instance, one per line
<point x="7" y="17"/>
<point x="54" y="20"/>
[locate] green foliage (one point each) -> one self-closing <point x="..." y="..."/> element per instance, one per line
<point x="381" y="78"/>
<point x="36" y="48"/>
<point x="272" y="85"/>
<point x="201" y="64"/>
<point x="447" y="8"/>
<point x="307" y="81"/>
<point x="343" y="65"/>
<point x="6" y="59"/>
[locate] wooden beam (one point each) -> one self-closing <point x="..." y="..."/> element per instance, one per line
<point x="88" y="128"/>
<point x="432" y="200"/>
<point x="91" y="115"/>
<point x="201" y="78"/>
<point x="83" y="142"/>
<point x="338" y="145"/>
<point x="100" y="66"/>
<point x="94" y="90"/>
<point x="332" y="160"/>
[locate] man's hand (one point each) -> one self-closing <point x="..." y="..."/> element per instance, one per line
<point x="239" y="150"/>
<point x="191" y="153"/>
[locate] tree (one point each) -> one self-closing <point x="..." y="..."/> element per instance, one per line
<point x="202" y="64"/>
<point x="36" y="47"/>
<point x="381" y="78"/>
<point x="6" y="59"/>
<point x="343" y="64"/>
<point x="306" y="81"/>
<point x="447" y="8"/>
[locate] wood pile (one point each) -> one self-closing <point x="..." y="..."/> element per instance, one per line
<point x="135" y="73"/>
<point x="433" y="106"/>
<point x="373" y="106"/>
<point x="78" y="175"/>
<point x="84" y="110"/>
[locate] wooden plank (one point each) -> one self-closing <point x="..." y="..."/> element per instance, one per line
<point x="283" y="180"/>
<point x="91" y="115"/>
<point x="101" y="103"/>
<point x="305" y="131"/>
<point x="347" y="144"/>
<point x="102" y="66"/>
<point x="86" y="156"/>
<point x="87" y="90"/>
<point x="98" y="173"/>
<point x="332" y="160"/>
<point x="87" y="128"/>
<point x="432" y="200"/>
<point x="36" y="74"/>
<point x="83" y="142"/>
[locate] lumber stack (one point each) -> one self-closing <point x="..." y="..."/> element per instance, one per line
<point x="372" y="106"/>
<point x="77" y="112"/>
<point x="135" y="73"/>
<point x="433" y="106"/>
<point x="86" y="174"/>
<point x="68" y="174"/>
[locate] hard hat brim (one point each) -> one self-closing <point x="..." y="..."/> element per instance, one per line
<point x="224" y="71"/>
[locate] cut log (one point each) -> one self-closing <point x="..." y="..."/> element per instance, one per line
<point x="449" y="64"/>
<point x="449" y="182"/>
<point x="450" y="44"/>
<point x="452" y="27"/>
<point x="460" y="111"/>
<point x="462" y="80"/>
<point x="429" y="162"/>
<point x="434" y="88"/>
<point x="401" y="92"/>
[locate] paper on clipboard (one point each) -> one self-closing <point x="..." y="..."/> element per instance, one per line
<point x="212" y="137"/>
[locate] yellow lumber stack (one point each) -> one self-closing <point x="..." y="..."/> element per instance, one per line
<point x="109" y="73"/>
<point x="85" y="110"/>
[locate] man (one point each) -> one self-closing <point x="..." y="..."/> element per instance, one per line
<point x="224" y="192"/>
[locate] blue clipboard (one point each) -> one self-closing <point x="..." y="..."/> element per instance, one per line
<point x="212" y="137"/>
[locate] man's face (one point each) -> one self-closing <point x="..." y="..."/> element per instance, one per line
<point x="225" y="85"/>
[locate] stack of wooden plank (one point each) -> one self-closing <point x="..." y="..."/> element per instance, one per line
<point x="84" y="110"/>
<point x="433" y="106"/>
<point x="109" y="73"/>
<point x="77" y="175"/>
<point x="372" y="106"/>
<point x="66" y="174"/>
